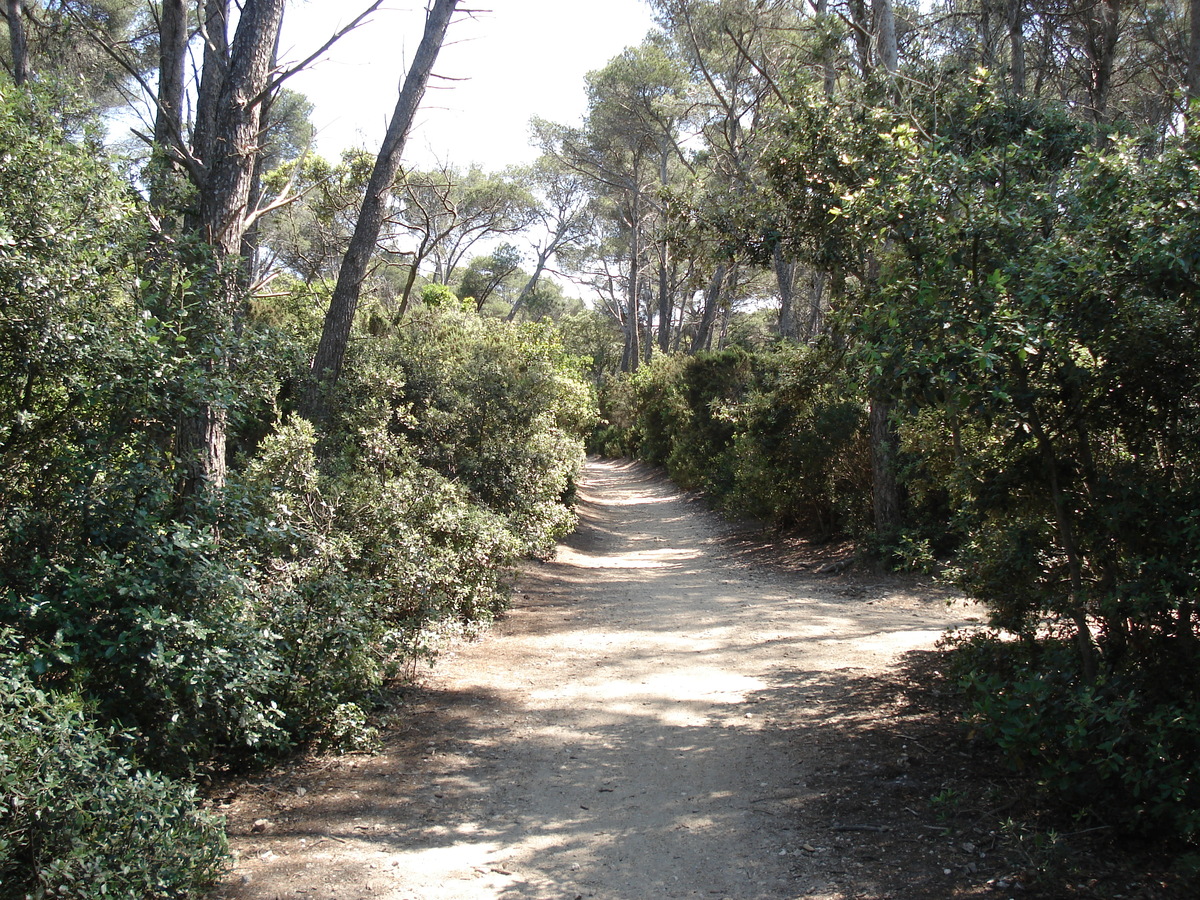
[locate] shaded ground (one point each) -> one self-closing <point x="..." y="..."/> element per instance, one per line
<point x="669" y="710"/>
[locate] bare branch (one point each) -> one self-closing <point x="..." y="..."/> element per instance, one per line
<point x="179" y="149"/>
<point x="321" y="51"/>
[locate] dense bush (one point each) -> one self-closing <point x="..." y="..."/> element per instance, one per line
<point x="800" y="452"/>
<point x="499" y="408"/>
<point x="238" y="630"/>
<point x="712" y="387"/>
<point x="79" y="821"/>
<point x="208" y="630"/>
<point x="1022" y="296"/>
<point x="361" y="561"/>
<point x="1028" y="308"/>
<point x="777" y="434"/>
<point x="1124" y="750"/>
<point x="646" y="411"/>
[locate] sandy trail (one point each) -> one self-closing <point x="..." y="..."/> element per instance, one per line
<point x="646" y="722"/>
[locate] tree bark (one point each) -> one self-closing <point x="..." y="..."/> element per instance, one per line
<point x="172" y="50"/>
<point x="785" y="277"/>
<point x="712" y="298"/>
<point x="633" y="331"/>
<point x="1193" y="73"/>
<point x="987" y="39"/>
<point x="531" y="283"/>
<point x="828" y="68"/>
<point x="222" y="218"/>
<point x="224" y="199"/>
<point x="885" y="489"/>
<point x="889" y="50"/>
<point x="666" y="304"/>
<point x="1103" y="29"/>
<point x="816" y="305"/>
<point x="1016" y="40"/>
<point x="15" y="13"/>
<point x="212" y="75"/>
<point x="861" y="26"/>
<point x="335" y="335"/>
<point x="1084" y="641"/>
<point x="168" y="116"/>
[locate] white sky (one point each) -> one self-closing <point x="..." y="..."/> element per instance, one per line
<point x="520" y="58"/>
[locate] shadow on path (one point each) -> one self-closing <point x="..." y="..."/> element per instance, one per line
<point x="656" y="717"/>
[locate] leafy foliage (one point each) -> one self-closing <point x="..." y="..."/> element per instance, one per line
<point x="203" y="631"/>
<point x="1123" y="750"/>
<point x="499" y="408"/>
<point x="775" y="434"/>
<point x="1028" y="290"/>
<point x="801" y="452"/>
<point x="1016" y="284"/>
<point x="78" y="820"/>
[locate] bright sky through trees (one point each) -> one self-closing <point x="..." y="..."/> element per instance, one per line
<point x="517" y="59"/>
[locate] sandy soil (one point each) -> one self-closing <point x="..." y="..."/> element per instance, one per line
<point x="661" y="714"/>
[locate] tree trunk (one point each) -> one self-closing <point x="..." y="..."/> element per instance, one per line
<point x="666" y="306"/>
<point x="665" y="302"/>
<point x="860" y="25"/>
<point x="828" y="69"/>
<point x="1016" y="39"/>
<point x="172" y="52"/>
<point x="248" y="270"/>
<point x="726" y="319"/>
<point x="532" y="282"/>
<point x="816" y="305"/>
<point x="224" y="200"/>
<point x="633" y="325"/>
<point x="885" y="488"/>
<point x="212" y="75"/>
<point x="1066" y="532"/>
<point x="987" y="40"/>
<point x="200" y="447"/>
<point x="1192" y="96"/>
<point x="1103" y="29"/>
<point x="222" y="219"/>
<point x="785" y="277"/>
<point x="252" y="239"/>
<point x="889" y="50"/>
<point x="16" y="39"/>
<point x="335" y="335"/>
<point x="712" y="298"/>
<point x="410" y="281"/>
<point x="168" y="115"/>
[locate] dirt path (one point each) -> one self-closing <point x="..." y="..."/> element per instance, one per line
<point x="658" y="716"/>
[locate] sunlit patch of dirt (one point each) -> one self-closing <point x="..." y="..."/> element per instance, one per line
<point x="674" y="707"/>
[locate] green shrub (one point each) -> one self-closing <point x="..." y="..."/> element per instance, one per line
<point x="714" y="387"/>
<point x="497" y="407"/>
<point x="363" y="558"/>
<point x="1124" y="750"/>
<point x="164" y="631"/>
<point x="801" y="455"/>
<point x="660" y="411"/>
<point x="774" y="434"/>
<point x="80" y="821"/>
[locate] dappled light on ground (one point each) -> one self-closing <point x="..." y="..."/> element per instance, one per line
<point x="644" y="723"/>
<point x="636" y="559"/>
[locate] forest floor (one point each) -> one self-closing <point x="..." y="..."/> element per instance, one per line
<point x="673" y="707"/>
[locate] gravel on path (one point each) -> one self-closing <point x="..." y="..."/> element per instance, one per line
<point x="647" y="721"/>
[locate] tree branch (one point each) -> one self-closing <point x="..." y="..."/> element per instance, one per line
<point x="358" y="20"/>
